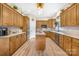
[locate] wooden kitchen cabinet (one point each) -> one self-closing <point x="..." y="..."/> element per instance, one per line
<point x="75" y="47"/>
<point x="21" y="21"/>
<point x="4" y="46"/>
<point x="61" y="41"/>
<point x="26" y="21"/>
<point x="77" y="14"/>
<point x="1" y="15"/>
<point x="13" y="44"/>
<point x="24" y="38"/>
<point x="67" y="44"/>
<point x="68" y="16"/>
<point x="18" y="37"/>
<point x="62" y="19"/>
<point x="51" y="35"/>
<point x="8" y="45"/>
<point x="6" y="15"/>
<point x="51" y="23"/>
<point x="47" y="34"/>
<point x="9" y="16"/>
<point x="73" y="15"/>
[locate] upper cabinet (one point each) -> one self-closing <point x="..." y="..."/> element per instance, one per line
<point x="10" y="17"/>
<point x="0" y="14"/>
<point x="25" y="22"/>
<point x="7" y="15"/>
<point x="69" y="16"/>
<point x="62" y="19"/>
<point x="51" y="23"/>
<point x="77" y="14"/>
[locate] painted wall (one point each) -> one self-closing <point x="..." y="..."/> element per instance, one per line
<point x="32" y="27"/>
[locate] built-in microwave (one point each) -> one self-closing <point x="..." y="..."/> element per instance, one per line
<point x="3" y="31"/>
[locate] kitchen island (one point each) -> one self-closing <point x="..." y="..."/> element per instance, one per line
<point x="40" y="41"/>
<point x="10" y="43"/>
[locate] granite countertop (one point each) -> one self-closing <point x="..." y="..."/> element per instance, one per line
<point x="10" y="35"/>
<point x="72" y="32"/>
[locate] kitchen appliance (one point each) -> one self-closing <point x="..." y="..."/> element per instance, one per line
<point x="3" y="31"/>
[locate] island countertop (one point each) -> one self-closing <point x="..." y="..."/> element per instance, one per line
<point x="40" y="33"/>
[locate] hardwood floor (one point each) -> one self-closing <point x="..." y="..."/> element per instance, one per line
<point x="29" y="49"/>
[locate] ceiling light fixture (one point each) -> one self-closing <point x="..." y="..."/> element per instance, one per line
<point x="40" y="5"/>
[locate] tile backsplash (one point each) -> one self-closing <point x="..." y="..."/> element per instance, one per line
<point x="12" y="30"/>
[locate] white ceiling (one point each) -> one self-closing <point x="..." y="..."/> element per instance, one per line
<point x="49" y="10"/>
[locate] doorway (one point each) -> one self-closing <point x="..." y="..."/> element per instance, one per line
<point x="32" y="27"/>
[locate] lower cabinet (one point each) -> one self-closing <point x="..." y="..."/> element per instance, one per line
<point x="51" y="35"/>
<point x="16" y="42"/>
<point x="67" y="44"/>
<point x="75" y="47"/>
<point x="61" y="41"/>
<point x="4" y="46"/>
<point x="8" y="45"/>
<point x="12" y="44"/>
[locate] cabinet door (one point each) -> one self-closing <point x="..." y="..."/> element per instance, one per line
<point x="63" y="17"/>
<point x="77" y="14"/>
<point x="18" y="37"/>
<point x="14" y="19"/>
<point x="26" y="22"/>
<point x="67" y="44"/>
<point x="23" y="38"/>
<point x="75" y="47"/>
<point x="13" y="46"/>
<point x="20" y="20"/>
<point x="7" y="15"/>
<point x="73" y="15"/>
<point x="68" y="18"/>
<point x="61" y="42"/>
<point x="1" y="15"/>
<point x="4" y="47"/>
